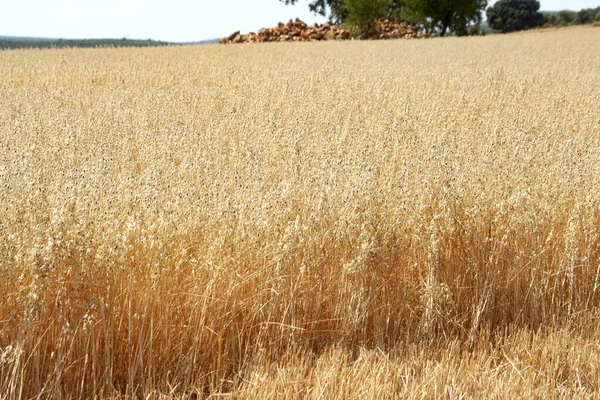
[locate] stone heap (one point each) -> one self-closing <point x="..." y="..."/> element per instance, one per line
<point x="298" y="31"/>
<point x="387" y="29"/>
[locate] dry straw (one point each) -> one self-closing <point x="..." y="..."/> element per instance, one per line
<point x="407" y="219"/>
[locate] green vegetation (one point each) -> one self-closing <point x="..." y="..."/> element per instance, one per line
<point x="23" y="43"/>
<point x="514" y="15"/>
<point x="364" y="14"/>
<point x="568" y="17"/>
<point x="436" y="16"/>
<point x="443" y="15"/>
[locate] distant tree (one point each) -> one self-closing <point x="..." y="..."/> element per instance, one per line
<point x="514" y="15"/>
<point x="568" y="17"/>
<point x="586" y="16"/>
<point x="448" y="15"/>
<point x="549" y="18"/>
<point x="442" y="16"/>
<point x="364" y="14"/>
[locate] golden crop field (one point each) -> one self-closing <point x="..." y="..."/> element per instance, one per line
<point x="339" y="220"/>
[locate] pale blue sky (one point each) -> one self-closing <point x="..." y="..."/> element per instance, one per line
<point x="174" y="20"/>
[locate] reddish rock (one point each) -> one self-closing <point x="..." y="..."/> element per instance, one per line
<point x="233" y="35"/>
<point x="299" y="23"/>
<point x="298" y="31"/>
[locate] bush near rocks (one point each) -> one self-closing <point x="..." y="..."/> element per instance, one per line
<point x="298" y="31"/>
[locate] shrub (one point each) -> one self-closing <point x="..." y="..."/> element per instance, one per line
<point x="364" y="14"/>
<point x="568" y="17"/>
<point x="586" y="16"/>
<point x="514" y="15"/>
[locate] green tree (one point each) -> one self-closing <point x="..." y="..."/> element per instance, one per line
<point x="445" y="15"/>
<point x="568" y="17"/>
<point x="364" y="14"/>
<point x="586" y="16"/>
<point x="514" y="15"/>
<point x="549" y="18"/>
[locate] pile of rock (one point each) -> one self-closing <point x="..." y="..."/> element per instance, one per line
<point x="387" y="29"/>
<point x="298" y="31"/>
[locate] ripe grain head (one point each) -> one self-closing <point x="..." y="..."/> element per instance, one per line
<point x="185" y="217"/>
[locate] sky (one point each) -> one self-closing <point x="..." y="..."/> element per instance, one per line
<point x="174" y="20"/>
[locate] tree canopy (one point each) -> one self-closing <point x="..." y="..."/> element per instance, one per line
<point x="364" y="14"/>
<point x="436" y="15"/>
<point x="444" y="15"/>
<point x="514" y="15"/>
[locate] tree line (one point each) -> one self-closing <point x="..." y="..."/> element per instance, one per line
<point x="567" y="17"/>
<point x="12" y="43"/>
<point x="441" y="17"/>
<point x="515" y="15"/>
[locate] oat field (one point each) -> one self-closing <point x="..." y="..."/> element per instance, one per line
<point x="341" y="220"/>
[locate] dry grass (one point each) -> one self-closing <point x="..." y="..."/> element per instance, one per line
<point x="326" y="220"/>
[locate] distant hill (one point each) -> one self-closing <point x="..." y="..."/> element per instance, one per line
<point x="25" y="42"/>
<point x="209" y="41"/>
<point x="15" y="42"/>
<point x="26" y="38"/>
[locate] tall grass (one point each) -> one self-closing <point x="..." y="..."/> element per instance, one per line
<point x="401" y="219"/>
